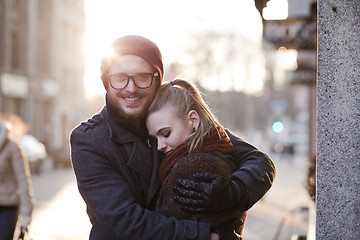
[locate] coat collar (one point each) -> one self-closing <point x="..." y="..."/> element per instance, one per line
<point x="122" y="132"/>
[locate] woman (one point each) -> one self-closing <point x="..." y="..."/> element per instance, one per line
<point x="15" y="186"/>
<point x="193" y="141"/>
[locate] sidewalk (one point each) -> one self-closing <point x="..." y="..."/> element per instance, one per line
<point x="280" y="214"/>
<point x="60" y="212"/>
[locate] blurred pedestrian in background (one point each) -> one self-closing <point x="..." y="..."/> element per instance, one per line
<point x="311" y="178"/>
<point x="16" y="198"/>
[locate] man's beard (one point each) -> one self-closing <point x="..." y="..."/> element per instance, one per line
<point x="118" y="113"/>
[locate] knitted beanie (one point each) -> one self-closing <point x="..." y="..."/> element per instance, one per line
<point x="133" y="45"/>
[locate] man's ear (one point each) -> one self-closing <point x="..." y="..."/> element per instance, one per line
<point x="194" y="119"/>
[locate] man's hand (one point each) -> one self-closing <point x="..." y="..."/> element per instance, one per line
<point x="212" y="193"/>
<point x="229" y="231"/>
<point x="23" y="230"/>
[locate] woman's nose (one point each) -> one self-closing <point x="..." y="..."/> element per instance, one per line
<point x="161" y="146"/>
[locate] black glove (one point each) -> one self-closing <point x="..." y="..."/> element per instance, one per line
<point x="229" y="231"/>
<point x="212" y="193"/>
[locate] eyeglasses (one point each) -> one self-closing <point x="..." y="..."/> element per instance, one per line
<point x="141" y="80"/>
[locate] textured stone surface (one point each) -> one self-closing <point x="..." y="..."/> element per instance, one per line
<point x="338" y="120"/>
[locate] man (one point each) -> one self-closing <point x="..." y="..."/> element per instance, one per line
<point x="116" y="162"/>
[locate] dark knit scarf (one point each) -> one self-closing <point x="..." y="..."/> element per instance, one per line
<point x="215" y="140"/>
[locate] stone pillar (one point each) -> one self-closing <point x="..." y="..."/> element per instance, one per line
<point x="338" y="120"/>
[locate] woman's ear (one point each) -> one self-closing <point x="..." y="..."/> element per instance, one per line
<point x="194" y="119"/>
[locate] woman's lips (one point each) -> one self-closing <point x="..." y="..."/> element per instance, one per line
<point x="168" y="152"/>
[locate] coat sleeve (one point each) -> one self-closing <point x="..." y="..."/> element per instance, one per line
<point x="111" y="202"/>
<point x="22" y="173"/>
<point x="256" y="171"/>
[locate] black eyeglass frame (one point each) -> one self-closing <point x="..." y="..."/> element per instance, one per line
<point x="128" y="77"/>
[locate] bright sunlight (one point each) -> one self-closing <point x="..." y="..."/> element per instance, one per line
<point x="167" y="23"/>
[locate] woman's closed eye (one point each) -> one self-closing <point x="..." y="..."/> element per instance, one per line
<point x="166" y="133"/>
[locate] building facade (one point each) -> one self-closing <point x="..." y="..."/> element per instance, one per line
<point x="298" y="32"/>
<point x="42" y="66"/>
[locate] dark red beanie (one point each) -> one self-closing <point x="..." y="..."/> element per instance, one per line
<point x="134" y="45"/>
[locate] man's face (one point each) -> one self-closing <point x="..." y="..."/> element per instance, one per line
<point x="131" y="102"/>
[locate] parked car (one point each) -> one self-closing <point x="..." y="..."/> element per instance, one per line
<point x="35" y="152"/>
<point x="61" y="157"/>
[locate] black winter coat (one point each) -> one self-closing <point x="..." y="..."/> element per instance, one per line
<point x="117" y="175"/>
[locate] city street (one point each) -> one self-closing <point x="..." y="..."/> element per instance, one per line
<point x="60" y="212"/>
<point x="280" y="214"/>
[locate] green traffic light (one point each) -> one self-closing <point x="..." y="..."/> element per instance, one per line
<point x="277" y="127"/>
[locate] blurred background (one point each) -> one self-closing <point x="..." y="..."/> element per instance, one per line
<point x="254" y="60"/>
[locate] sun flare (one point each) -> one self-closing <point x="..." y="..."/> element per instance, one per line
<point x="169" y="24"/>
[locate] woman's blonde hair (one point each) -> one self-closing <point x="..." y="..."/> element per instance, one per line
<point x="183" y="96"/>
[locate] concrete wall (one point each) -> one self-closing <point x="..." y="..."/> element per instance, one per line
<point x="338" y="120"/>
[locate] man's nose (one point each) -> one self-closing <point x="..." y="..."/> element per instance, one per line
<point x="131" y="87"/>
